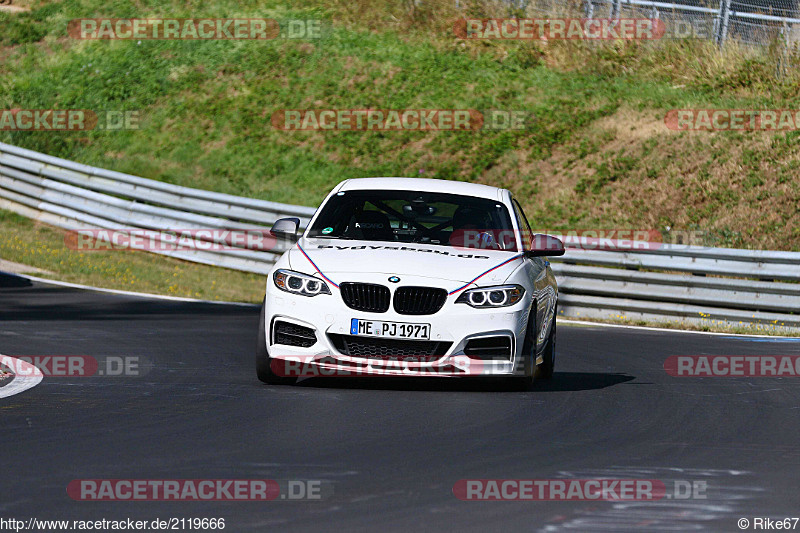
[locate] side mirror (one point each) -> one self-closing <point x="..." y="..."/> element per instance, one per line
<point x="285" y="228"/>
<point x="545" y="245"/>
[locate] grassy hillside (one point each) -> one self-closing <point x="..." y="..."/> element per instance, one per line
<point x="596" y="152"/>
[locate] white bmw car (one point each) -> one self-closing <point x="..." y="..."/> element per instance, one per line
<point x="411" y="277"/>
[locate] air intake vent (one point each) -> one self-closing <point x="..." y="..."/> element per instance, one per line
<point x="366" y="297"/>
<point x="419" y="300"/>
<point x="489" y="348"/>
<point x="356" y="346"/>
<point x="293" y="335"/>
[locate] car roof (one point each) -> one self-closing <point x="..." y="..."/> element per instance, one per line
<point x="423" y="184"/>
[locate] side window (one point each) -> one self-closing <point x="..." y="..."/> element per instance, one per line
<point x="524" y="227"/>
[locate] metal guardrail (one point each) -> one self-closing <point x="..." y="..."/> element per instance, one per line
<point x="74" y="196"/>
<point x="666" y="283"/>
<point x="659" y="292"/>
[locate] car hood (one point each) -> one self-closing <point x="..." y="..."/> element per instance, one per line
<point x="335" y="256"/>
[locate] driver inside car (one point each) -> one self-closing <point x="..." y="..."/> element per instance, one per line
<point x="472" y="228"/>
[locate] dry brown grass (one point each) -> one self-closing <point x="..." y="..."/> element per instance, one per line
<point x="742" y="190"/>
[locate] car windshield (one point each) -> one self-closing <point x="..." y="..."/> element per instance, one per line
<point x="416" y="217"/>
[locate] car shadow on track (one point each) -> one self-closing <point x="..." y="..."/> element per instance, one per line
<point x="561" y="382"/>
<point x="12" y="281"/>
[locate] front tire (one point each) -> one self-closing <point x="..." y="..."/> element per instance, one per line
<point x="263" y="361"/>
<point x="547" y="368"/>
<point x="525" y="382"/>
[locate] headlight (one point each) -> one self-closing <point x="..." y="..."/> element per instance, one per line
<point x="297" y="283"/>
<point x="501" y="296"/>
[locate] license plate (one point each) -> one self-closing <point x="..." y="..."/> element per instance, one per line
<point x="394" y="330"/>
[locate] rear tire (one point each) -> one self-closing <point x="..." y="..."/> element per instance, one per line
<point x="263" y="361"/>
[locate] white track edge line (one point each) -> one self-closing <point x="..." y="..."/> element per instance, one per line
<point x="673" y="330"/>
<point x="20" y="383"/>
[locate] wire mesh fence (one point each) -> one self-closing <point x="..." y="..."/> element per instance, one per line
<point x="749" y="22"/>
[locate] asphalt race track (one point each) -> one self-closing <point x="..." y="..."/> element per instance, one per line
<point x="390" y="450"/>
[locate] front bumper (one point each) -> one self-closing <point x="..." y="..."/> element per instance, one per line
<point x="453" y="327"/>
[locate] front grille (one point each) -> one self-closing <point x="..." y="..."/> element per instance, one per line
<point x="489" y="348"/>
<point x="419" y="300"/>
<point x="293" y="335"/>
<point x="366" y="297"/>
<point x="356" y="346"/>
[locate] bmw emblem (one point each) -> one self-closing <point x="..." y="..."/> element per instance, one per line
<point x="394" y="279"/>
